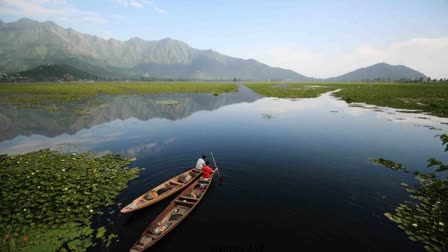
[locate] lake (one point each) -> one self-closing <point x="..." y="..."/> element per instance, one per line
<point x="296" y="173"/>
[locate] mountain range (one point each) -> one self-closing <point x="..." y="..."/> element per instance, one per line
<point x="45" y="49"/>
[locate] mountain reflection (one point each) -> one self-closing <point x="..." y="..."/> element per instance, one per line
<point x="73" y="117"/>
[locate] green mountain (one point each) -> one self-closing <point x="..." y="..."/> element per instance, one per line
<point x="26" y="44"/>
<point x="380" y="71"/>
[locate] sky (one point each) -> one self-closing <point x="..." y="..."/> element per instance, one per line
<point x="315" y="38"/>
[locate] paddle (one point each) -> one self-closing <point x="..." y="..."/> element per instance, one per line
<point x="219" y="174"/>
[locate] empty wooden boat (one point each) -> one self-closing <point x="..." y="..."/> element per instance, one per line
<point x="163" y="190"/>
<point x="175" y="213"/>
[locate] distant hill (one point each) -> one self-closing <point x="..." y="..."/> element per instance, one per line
<point x="55" y="72"/>
<point x="26" y="44"/>
<point x="380" y="71"/>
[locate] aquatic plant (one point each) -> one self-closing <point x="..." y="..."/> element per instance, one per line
<point x="347" y="99"/>
<point x="430" y="98"/>
<point x="387" y="163"/>
<point x="266" y="116"/>
<point x="48" y="198"/>
<point x="425" y="219"/>
<point x="290" y="90"/>
<point x="171" y="102"/>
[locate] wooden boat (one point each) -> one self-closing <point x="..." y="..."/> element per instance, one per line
<point x="169" y="188"/>
<point x="175" y="213"/>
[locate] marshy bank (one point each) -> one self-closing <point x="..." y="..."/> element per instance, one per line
<point x="428" y="98"/>
<point x="53" y="95"/>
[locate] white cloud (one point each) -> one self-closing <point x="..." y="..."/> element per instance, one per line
<point x="155" y="7"/>
<point x="48" y="9"/>
<point x="95" y="19"/>
<point x="136" y="4"/>
<point x="427" y="55"/>
<point x="142" y="4"/>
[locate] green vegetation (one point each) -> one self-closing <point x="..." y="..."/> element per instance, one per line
<point x="266" y="116"/>
<point x="114" y="88"/>
<point x="32" y="95"/>
<point x="48" y="199"/>
<point x="387" y="163"/>
<point x="430" y="98"/>
<point x="55" y="72"/>
<point x="171" y="102"/>
<point x="290" y="90"/>
<point x="425" y="219"/>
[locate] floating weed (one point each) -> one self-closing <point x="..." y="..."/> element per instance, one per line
<point x="49" y="198"/>
<point x="100" y="232"/>
<point x="387" y="163"/>
<point x="266" y="116"/>
<point x="423" y="220"/>
<point x="409" y="111"/>
<point x="356" y="105"/>
<point x="290" y="90"/>
<point x="171" y="102"/>
<point x="53" y="108"/>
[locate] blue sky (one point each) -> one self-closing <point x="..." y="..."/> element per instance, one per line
<point x="316" y="38"/>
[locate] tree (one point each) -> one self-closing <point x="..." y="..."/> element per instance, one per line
<point x="68" y="77"/>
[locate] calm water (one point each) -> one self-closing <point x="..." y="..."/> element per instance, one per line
<point x="296" y="171"/>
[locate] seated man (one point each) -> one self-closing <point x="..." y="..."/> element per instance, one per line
<point x="207" y="171"/>
<point x="200" y="163"/>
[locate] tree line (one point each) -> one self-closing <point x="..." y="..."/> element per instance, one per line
<point x="408" y="80"/>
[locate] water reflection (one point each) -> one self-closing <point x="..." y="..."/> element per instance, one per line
<point x="132" y="125"/>
<point x="73" y="117"/>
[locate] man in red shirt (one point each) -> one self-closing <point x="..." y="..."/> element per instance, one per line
<point x="207" y="171"/>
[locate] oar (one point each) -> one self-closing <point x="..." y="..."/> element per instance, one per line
<point x="219" y="174"/>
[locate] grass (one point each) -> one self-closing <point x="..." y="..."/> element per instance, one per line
<point x="429" y="98"/>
